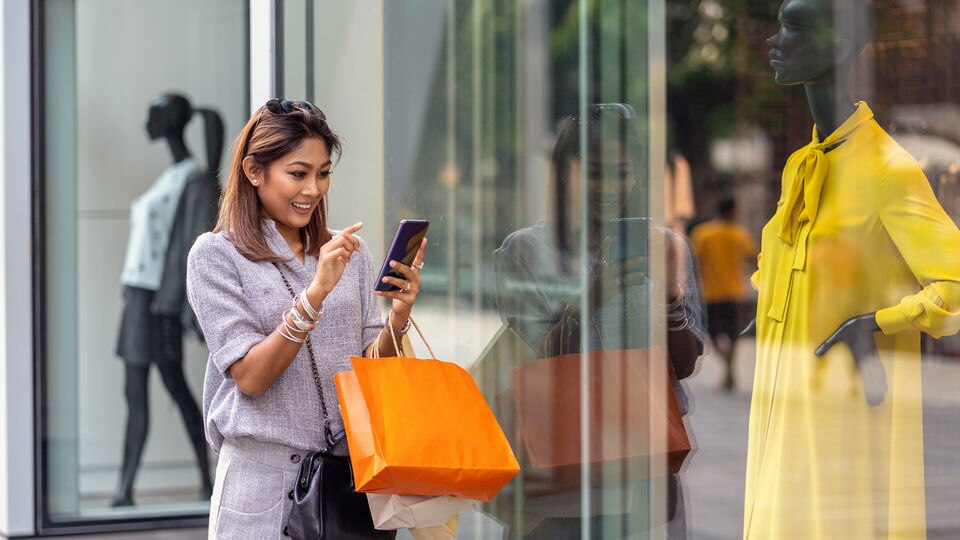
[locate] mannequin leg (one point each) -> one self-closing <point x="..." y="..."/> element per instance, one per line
<point x="176" y="384"/>
<point x="138" y="422"/>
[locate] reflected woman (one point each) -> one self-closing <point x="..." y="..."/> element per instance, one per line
<point x="859" y="253"/>
<point x="539" y="273"/>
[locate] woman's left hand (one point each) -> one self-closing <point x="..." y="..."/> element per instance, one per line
<point x="409" y="286"/>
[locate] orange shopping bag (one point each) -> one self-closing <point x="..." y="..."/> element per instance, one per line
<point x="633" y="410"/>
<point x="421" y="427"/>
<point x="636" y="428"/>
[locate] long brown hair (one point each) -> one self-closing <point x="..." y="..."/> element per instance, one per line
<point x="266" y="137"/>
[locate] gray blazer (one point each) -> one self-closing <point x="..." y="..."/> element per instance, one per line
<point x="239" y="302"/>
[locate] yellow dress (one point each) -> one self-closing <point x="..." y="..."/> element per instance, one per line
<point x="857" y="230"/>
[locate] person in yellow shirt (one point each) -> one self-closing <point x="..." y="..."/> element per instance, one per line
<point x="858" y="259"/>
<point x="723" y="248"/>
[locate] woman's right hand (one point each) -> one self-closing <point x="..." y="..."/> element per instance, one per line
<point x="333" y="258"/>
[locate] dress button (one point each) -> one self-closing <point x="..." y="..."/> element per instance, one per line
<point x="295" y="458"/>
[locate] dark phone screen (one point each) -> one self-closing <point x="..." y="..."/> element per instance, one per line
<point x="403" y="249"/>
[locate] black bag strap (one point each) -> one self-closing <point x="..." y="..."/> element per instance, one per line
<point x="328" y="435"/>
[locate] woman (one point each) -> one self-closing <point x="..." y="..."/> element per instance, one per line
<point x="270" y="276"/>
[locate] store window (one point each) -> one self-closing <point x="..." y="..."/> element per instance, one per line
<point x="598" y="175"/>
<point x="140" y="101"/>
<point x="510" y="125"/>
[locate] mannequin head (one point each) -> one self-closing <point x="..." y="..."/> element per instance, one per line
<point x="168" y="116"/>
<point x="818" y="38"/>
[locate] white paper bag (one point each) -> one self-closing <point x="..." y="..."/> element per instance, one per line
<point x="413" y="511"/>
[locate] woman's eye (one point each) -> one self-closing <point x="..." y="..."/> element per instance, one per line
<point x="298" y="174"/>
<point x="324" y="174"/>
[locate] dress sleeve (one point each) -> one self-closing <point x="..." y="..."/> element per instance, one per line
<point x="372" y="318"/>
<point x="929" y="242"/>
<point x="226" y="316"/>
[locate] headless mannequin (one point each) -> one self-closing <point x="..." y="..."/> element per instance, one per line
<point x="168" y="116"/>
<point x="820" y="60"/>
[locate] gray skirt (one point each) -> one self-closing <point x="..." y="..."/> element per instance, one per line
<point x="251" y="493"/>
<point x="146" y="337"/>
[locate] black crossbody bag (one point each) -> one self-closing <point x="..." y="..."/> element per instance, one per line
<point x="325" y="504"/>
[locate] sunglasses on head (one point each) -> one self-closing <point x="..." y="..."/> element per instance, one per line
<point x="280" y="106"/>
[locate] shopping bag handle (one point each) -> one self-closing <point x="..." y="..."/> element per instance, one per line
<point x="393" y="336"/>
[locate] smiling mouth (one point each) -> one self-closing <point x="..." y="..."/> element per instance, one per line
<point x="302" y="206"/>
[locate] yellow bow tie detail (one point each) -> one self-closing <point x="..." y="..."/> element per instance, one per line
<point x="803" y="197"/>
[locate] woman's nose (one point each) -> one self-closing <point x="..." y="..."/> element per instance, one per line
<point x="312" y="188"/>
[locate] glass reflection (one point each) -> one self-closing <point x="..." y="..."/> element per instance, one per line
<point x="471" y="103"/>
<point x="591" y="251"/>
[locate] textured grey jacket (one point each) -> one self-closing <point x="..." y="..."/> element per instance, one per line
<point x="239" y="302"/>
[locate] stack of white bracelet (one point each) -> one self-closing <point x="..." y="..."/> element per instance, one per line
<point x="297" y="322"/>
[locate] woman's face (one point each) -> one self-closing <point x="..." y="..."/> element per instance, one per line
<point x="803" y="48"/>
<point x="611" y="179"/>
<point x="291" y="187"/>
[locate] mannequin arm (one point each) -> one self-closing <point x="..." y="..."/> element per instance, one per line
<point x="857" y="334"/>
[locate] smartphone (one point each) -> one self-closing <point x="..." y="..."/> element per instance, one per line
<point x="404" y="248"/>
<point x="629" y="238"/>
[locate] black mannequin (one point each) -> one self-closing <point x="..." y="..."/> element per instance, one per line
<point x="153" y="321"/>
<point x="822" y="65"/>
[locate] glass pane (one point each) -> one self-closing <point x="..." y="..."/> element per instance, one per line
<point x="521" y="131"/>
<point x="135" y="124"/>
<point x="600" y="177"/>
<point x="812" y="442"/>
